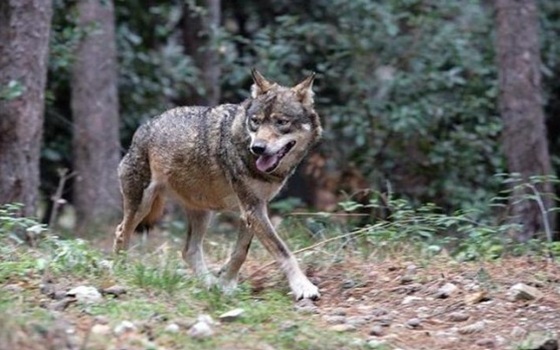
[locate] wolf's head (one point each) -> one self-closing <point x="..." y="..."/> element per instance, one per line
<point x="282" y="123"/>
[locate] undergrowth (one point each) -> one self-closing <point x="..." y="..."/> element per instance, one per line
<point x="160" y="288"/>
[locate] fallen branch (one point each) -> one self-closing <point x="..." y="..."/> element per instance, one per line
<point x="313" y="246"/>
<point x="57" y="196"/>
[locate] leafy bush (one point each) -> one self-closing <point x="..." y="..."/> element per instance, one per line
<point x="465" y="234"/>
<point x="407" y="90"/>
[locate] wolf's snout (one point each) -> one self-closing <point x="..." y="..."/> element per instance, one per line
<point x="258" y="147"/>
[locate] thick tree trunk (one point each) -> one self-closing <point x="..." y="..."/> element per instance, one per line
<point x="520" y="103"/>
<point x="94" y="103"/>
<point x="200" y="23"/>
<point x="24" y="44"/>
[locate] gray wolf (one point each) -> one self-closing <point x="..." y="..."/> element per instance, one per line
<point x="229" y="157"/>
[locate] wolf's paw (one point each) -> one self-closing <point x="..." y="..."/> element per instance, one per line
<point x="228" y="286"/>
<point x="208" y="279"/>
<point x="303" y="289"/>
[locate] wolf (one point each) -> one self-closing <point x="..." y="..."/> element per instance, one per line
<point x="229" y="157"/>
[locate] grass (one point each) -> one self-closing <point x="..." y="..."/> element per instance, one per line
<point x="159" y="292"/>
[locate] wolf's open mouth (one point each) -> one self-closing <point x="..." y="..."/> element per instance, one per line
<point x="268" y="162"/>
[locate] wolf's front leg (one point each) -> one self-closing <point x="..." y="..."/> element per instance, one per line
<point x="257" y="222"/>
<point x="230" y="271"/>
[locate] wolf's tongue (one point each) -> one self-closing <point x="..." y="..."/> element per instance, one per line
<point x="266" y="162"/>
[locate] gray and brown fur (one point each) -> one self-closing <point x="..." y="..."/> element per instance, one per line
<point x="222" y="158"/>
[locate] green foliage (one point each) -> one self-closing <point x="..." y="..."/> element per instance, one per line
<point x="72" y="255"/>
<point x="164" y="276"/>
<point x="13" y="90"/>
<point x="407" y="90"/>
<point x="465" y="234"/>
<point x="14" y="226"/>
<point x="154" y="71"/>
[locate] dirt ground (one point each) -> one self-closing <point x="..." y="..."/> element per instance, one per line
<point x="402" y="304"/>
<point x="409" y="303"/>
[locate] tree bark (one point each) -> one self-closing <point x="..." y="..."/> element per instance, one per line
<point x="94" y="104"/>
<point x="24" y="45"/>
<point x="200" y="23"/>
<point x="520" y="103"/>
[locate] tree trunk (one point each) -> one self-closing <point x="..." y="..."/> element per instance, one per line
<point x="200" y="24"/>
<point x="94" y="104"/>
<point x="24" y="45"/>
<point x="520" y="103"/>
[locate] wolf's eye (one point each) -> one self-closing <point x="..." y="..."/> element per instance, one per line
<point x="254" y="121"/>
<point x="282" y="122"/>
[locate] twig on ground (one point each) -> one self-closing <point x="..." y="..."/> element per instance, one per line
<point x="545" y="216"/>
<point x="313" y="246"/>
<point x="57" y="196"/>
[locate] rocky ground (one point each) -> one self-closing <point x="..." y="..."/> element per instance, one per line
<point x="508" y="304"/>
<point x="399" y="303"/>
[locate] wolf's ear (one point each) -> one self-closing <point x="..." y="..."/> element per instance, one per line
<point x="261" y="85"/>
<point x="304" y="90"/>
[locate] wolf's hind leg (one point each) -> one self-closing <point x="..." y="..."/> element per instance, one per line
<point x="135" y="212"/>
<point x="193" y="252"/>
<point x="230" y="271"/>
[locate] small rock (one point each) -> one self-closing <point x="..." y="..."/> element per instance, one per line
<point x="306" y="306"/>
<point x="487" y="343"/>
<point x="85" y="294"/>
<point x="472" y="328"/>
<point x="446" y="290"/>
<point x="385" y="321"/>
<point x="124" y="327"/>
<point x="357" y="320"/>
<point x="376" y="330"/>
<point x="379" y="312"/>
<point x="206" y="319"/>
<point x="413" y="323"/>
<point x="61" y="305"/>
<point x="14" y="288"/>
<point x="377" y="344"/>
<point x="410" y="299"/>
<point x="521" y="291"/>
<point x="423" y="312"/>
<point x="157" y="317"/>
<point x="59" y="295"/>
<point x="231" y="315"/>
<point x="335" y="319"/>
<point x="411" y="268"/>
<point x="200" y="330"/>
<point x="342" y="328"/>
<point x="185" y="322"/>
<point x="458" y="316"/>
<point x="348" y="284"/>
<point x="47" y="289"/>
<point x="406" y="279"/>
<point x="115" y="290"/>
<point x="540" y="341"/>
<point x="477" y="297"/>
<point x="172" y="328"/>
<point x="101" y="329"/>
<point x="339" y="311"/>
<point x="518" y="332"/>
<point x="443" y="334"/>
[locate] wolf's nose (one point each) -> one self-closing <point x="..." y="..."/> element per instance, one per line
<point x="258" y="148"/>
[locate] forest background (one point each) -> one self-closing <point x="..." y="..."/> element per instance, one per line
<point x="425" y="101"/>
